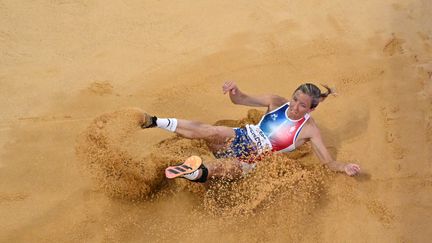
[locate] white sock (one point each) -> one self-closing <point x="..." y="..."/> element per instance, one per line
<point x="169" y="124"/>
<point x="192" y="176"/>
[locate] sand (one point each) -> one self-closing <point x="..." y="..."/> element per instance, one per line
<point x="65" y="64"/>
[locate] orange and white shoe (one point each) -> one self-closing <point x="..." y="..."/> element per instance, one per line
<point x="191" y="164"/>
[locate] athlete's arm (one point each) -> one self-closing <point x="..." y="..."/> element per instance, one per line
<point x="324" y="156"/>
<point x="240" y="98"/>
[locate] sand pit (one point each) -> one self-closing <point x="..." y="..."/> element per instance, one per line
<point x="65" y="63"/>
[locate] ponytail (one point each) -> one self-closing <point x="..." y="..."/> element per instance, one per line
<point x="330" y="91"/>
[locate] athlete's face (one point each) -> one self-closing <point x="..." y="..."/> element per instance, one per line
<point x="299" y="105"/>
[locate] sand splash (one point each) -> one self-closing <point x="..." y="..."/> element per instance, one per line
<point x="276" y="179"/>
<point x="105" y="151"/>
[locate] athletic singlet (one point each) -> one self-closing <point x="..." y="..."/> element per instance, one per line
<point x="275" y="131"/>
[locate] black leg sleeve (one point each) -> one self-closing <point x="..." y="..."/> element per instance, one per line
<point x="204" y="175"/>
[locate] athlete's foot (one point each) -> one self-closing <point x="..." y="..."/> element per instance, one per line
<point x="189" y="169"/>
<point x="148" y="121"/>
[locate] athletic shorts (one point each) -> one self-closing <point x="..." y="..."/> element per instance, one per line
<point x="240" y="147"/>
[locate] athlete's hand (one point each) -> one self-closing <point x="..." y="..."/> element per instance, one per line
<point x="230" y="87"/>
<point x="352" y="169"/>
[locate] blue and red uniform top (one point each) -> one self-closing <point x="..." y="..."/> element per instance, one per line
<point x="276" y="131"/>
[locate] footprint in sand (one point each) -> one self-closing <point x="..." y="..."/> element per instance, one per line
<point x="398" y="152"/>
<point x="12" y="197"/>
<point x="425" y="72"/>
<point x="394" y="46"/>
<point x="345" y="82"/>
<point x="390" y="114"/>
<point x="391" y="137"/>
<point x="101" y="88"/>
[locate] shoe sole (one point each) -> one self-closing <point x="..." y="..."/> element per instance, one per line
<point x="190" y="165"/>
<point x="147" y="121"/>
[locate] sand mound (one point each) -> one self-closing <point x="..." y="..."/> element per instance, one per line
<point x="103" y="148"/>
<point x="276" y="179"/>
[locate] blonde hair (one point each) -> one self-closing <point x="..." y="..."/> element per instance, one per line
<point x="313" y="91"/>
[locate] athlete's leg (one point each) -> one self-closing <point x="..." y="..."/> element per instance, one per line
<point x="194" y="129"/>
<point x="215" y="136"/>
